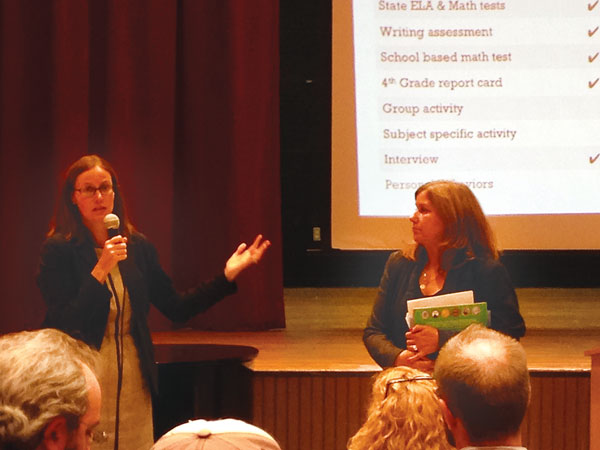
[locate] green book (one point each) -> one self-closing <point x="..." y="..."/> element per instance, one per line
<point x="452" y="317"/>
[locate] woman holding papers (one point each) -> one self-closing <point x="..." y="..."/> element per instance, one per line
<point x="454" y="251"/>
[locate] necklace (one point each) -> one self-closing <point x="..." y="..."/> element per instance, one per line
<point x="426" y="279"/>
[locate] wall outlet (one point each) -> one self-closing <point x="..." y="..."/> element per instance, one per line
<point x="316" y="234"/>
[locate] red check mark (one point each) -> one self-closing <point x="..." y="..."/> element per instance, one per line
<point x="593" y="58"/>
<point x="591" y="6"/>
<point x="593" y="159"/>
<point x="593" y="32"/>
<point x="591" y="84"/>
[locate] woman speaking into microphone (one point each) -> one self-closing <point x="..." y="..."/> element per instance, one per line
<point x="99" y="289"/>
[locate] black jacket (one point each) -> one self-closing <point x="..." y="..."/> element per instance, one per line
<point x="79" y="305"/>
<point x="487" y="278"/>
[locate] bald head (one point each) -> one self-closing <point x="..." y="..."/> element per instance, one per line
<point x="483" y="378"/>
<point x="485" y="350"/>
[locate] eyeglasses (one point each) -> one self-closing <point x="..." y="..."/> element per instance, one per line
<point x="90" y="191"/>
<point x="402" y="380"/>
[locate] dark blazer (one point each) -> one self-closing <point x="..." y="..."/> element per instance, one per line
<point x="79" y="305"/>
<point x="487" y="278"/>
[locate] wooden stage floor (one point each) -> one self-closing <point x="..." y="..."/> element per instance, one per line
<point x="310" y="382"/>
<point x="324" y="331"/>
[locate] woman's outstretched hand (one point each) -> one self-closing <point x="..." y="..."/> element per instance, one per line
<point x="245" y="256"/>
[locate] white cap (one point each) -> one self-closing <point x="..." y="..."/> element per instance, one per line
<point x="224" y="434"/>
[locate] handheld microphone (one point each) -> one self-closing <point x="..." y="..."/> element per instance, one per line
<point x="112" y="223"/>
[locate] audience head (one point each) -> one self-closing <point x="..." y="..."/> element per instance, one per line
<point x="224" y="434"/>
<point x="49" y="396"/>
<point x="465" y="224"/>
<point x="404" y="413"/>
<point x="483" y="384"/>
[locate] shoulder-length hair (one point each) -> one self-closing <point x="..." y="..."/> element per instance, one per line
<point x="408" y="417"/>
<point x="67" y="218"/>
<point x="465" y="225"/>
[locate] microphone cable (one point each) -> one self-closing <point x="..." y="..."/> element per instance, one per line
<point x="119" y="326"/>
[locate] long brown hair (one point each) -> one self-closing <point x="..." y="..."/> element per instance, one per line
<point x="67" y="218"/>
<point x="465" y="224"/>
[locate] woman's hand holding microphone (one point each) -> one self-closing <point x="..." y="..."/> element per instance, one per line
<point x="115" y="250"/>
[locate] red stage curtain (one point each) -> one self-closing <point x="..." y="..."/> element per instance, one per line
<point x="182" y="97"/>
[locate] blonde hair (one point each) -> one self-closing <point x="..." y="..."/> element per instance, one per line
<point x="465" y="224"/>
<point x="408" y="418"/>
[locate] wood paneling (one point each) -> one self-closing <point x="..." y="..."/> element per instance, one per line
<point x="594" y="354"/>
<point x="558" y="416"/>
<point x="321" y="411"/>
<point x="315" y="411"/>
